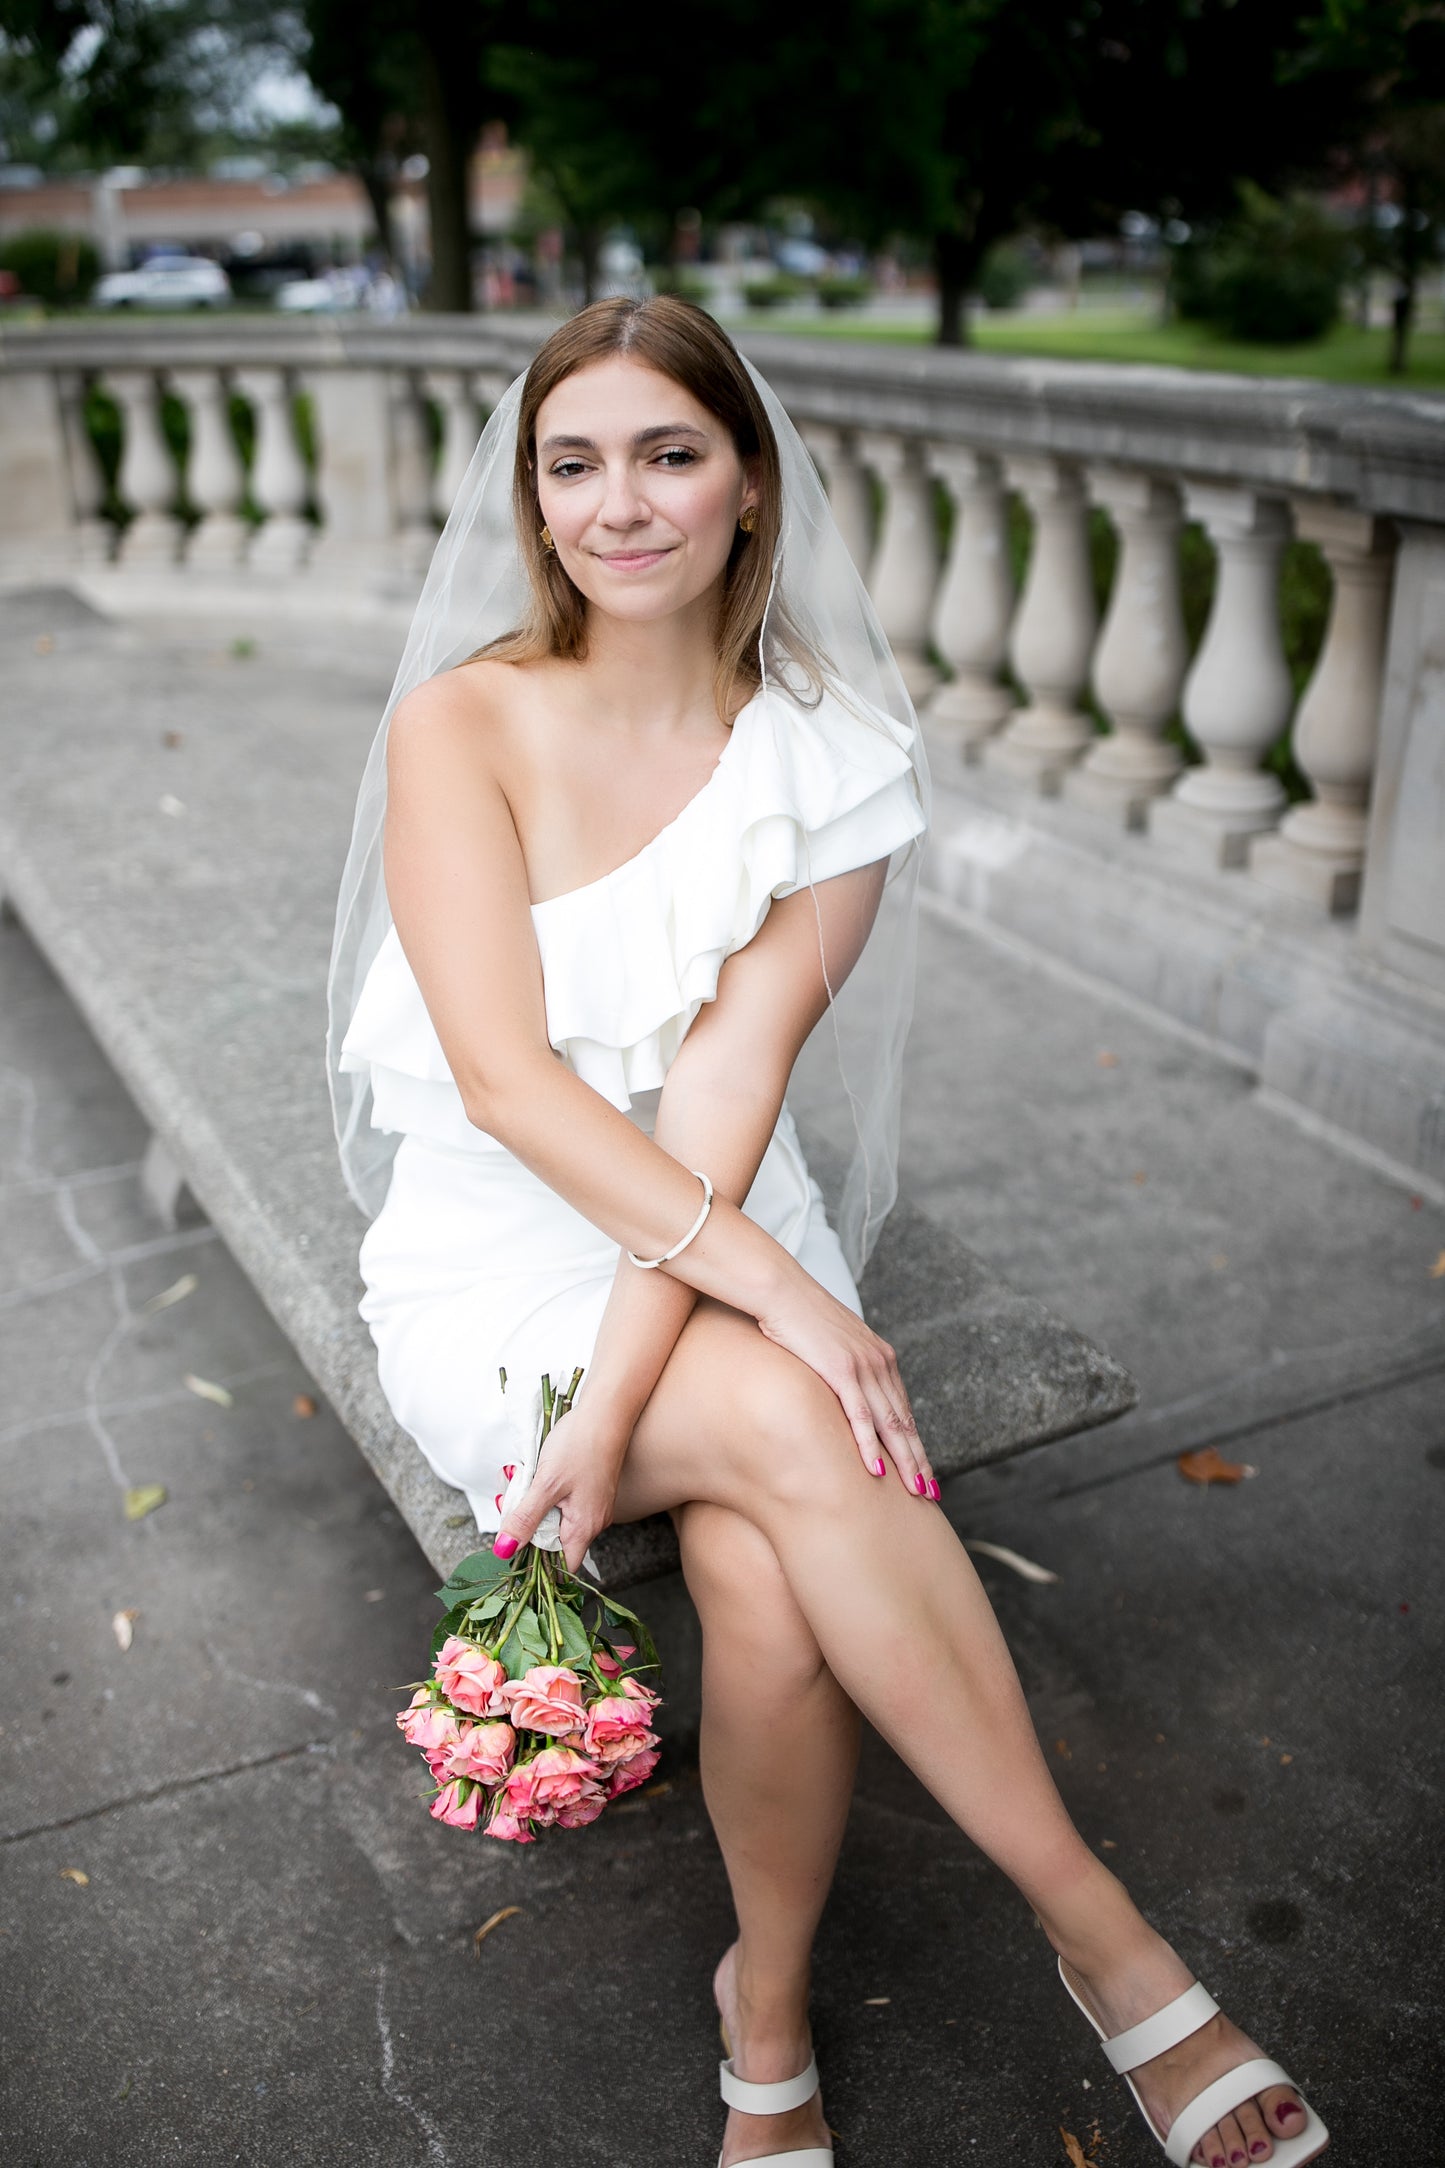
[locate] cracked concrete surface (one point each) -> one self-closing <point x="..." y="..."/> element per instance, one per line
<point x="272" y="1958"/>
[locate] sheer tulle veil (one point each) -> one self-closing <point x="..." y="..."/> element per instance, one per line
<point x="476" y="590"/>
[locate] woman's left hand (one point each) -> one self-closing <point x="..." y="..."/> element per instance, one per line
<point x="577" y="1472"/>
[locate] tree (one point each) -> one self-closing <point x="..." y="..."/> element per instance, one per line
<point x="1389" y="58"/>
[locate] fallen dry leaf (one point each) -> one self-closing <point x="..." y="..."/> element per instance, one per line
<point x="172" y="737"/>
<point x="1285" y="1760"/>
<point x="77" y="1875"/>
<point x="508" y="1912"/>
<point x="123" y="1627"/>
<point x="1078" y="2158"/>
<point x="1106" y="1844"/>
<point x="876" y="2002"/>
<point x="45" y="644"/>
<point x="1024" y="1567"/>
<point x="1437" y="1270"/>
<point x="656" y="1791"/>
<point x="303" y="1404"/>
<point x="1208" y="1465"/>
<point x="208" y="1391"/>
<point x="143" y="1498"/>
<point x="1064" y="1751"/>
<point x="1107" y="1061"/>
<point x="1218" y="1262"/>
<point x="457" y="1520"/>
<point x="176" y="1292"/>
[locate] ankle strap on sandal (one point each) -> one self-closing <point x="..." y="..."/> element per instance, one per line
<point x="767" y="2099"/>
<point x="1164" y="2030"/>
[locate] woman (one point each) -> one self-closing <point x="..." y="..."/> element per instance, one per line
<point x="635" y="849"/>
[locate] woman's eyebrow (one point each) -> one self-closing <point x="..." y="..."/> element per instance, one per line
<point x="643" y="436"/>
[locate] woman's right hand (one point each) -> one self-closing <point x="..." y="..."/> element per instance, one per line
<point x="861" y="1369"/>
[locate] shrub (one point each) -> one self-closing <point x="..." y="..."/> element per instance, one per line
<point x="837" y="291"/>
<point x="56" y="268"/>
<point x="685" y="284"/>
<point x="1004" y="276"/>
<point x="773" y="291"/>
<point x="1272" y="274"/>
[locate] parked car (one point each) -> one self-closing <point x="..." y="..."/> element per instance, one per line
<point x="166" y="282"/>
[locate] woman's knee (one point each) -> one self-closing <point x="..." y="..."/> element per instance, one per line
<point x="743" y="1598"/>
<point x="789" y="1433"/>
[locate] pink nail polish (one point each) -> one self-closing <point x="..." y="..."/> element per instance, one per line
<point x="504" y="1546"/>
<point x="1287" y="2108"/>
<point x="1257" y="2148"/>
<point x="920" y="1484"/>
<point x="878" y="1467"/>
<point x="1237" y="2155"/>
<point x="934" y="1490"/>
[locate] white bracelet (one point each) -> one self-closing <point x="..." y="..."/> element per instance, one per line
<point x="650" y="1264"/>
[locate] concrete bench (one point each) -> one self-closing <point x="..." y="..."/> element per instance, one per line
<point x="173" y="817"/>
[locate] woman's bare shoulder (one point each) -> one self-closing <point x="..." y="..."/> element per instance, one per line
<point x="465" y="718"/>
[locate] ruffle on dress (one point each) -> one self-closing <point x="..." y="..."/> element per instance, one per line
<point x="798" y="794"/>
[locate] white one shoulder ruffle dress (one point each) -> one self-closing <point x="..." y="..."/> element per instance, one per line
<point x="473" y="1265"/>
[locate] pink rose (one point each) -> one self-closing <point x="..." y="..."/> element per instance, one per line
<point x="427" y="1725"/>
<point x="507" y="1826"/>
<point x="561" y="1777"/>
<point x="548" y="1699"/>
<point x="627" y="1775"/>
<point x="582" y="1811"/>
<point x="617" y="1728"/>
<point x="612" y="1664"/>
<point x="438" y="1759"/>
<point x="457" y="1806"/>
<point x="483" y="1752"/>
<point x="470" y="1678"/>
<point x="518" y="1794"/>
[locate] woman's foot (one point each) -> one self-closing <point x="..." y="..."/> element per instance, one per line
<point x="768" y="2039"/>
<point x="1124" y="1993"/>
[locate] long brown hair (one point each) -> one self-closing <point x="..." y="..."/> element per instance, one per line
<point x="686" y="344"/>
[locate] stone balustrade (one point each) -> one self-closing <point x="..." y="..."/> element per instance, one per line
<point x="361" y="434"/>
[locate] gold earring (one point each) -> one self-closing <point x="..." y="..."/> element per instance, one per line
<point x="547" y="542"/>
<point x="748" y="518"/>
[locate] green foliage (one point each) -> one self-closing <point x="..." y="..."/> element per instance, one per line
<point x="685" y="284"/>
<point x="773" y="291"/>
<point x="56" y="268"/>
<point x="1271" y="274"/>
<point x="1005" y="275"/>
<point x="835" y="291"/>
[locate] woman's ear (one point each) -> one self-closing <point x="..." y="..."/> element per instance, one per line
<point x="752" y="482"/>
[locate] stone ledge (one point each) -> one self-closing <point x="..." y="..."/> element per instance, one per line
<point x="195" y="945"/>
<point x="1260" y="975"/>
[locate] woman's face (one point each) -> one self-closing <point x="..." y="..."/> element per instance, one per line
<point x="640" y="486"/>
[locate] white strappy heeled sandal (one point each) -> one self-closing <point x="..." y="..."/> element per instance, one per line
<point x="1164" y="2030"/>
<point x="775" y="2100"/>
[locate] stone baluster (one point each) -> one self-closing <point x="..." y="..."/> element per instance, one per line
<point x="147" y="479"/>
<point x="904" y="572"/>
<point x="489" y="385"/>
<point x="1142" y="653"/>
<point x="1053" y="631"/>
<point x="279" y="481"/>
<point x="849" y="497"/>
<point x="215" y="475"/>
<point x="94" y="535"/>
<point x="975" y="598"/>
<point x="411" y="472"/>
<point x="1318" y="852"/>
<point x="1238" y="694"/>
<point x="452" y="391"/>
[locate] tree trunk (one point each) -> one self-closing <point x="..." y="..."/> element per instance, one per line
<point x="449" y="124"/>
<point x="955" y="259"/>
<point x="376" y="176"/>
<point x="589" y="248"/>
<point x="1413" y="235"/>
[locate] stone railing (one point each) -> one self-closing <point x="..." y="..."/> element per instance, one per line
<point x="361" y="432"/>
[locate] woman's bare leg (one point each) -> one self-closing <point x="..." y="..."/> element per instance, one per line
<point x="904" y="1626"/>
<point x="779" y="1754"/>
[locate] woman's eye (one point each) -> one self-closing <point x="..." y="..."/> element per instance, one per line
<point x="566" y="468"/>
<point x="677" y="455"/>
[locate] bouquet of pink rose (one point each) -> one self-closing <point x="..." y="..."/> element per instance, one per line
<point x="531" y="1718"/>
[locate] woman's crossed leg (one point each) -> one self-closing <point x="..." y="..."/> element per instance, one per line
<point x="738" y="1424"/>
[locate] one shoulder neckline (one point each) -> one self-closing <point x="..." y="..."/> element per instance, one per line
<point x="587" y="888"/>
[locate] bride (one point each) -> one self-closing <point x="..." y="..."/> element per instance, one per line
<point x="644" y="811"/>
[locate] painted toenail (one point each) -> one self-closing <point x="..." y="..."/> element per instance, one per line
<point x="1257" y="2148"/>
<point x="1236" y="2154"/>
<point x="1287" y="2108"/>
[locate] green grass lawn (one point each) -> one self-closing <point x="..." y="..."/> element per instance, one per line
<point x="1344" y="356"/>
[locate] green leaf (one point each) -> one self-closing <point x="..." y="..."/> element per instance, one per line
<point x="143" y="1498"/>
<point x="490" y="1607"/>
<point x="576" y="1641"/>
<point x="532" y="1635"/>
<point x="475" y="1575"/>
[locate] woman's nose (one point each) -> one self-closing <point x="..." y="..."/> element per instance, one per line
<point x="623" y="504"/>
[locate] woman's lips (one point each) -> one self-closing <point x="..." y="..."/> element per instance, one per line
<point x="634" y="560"/>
